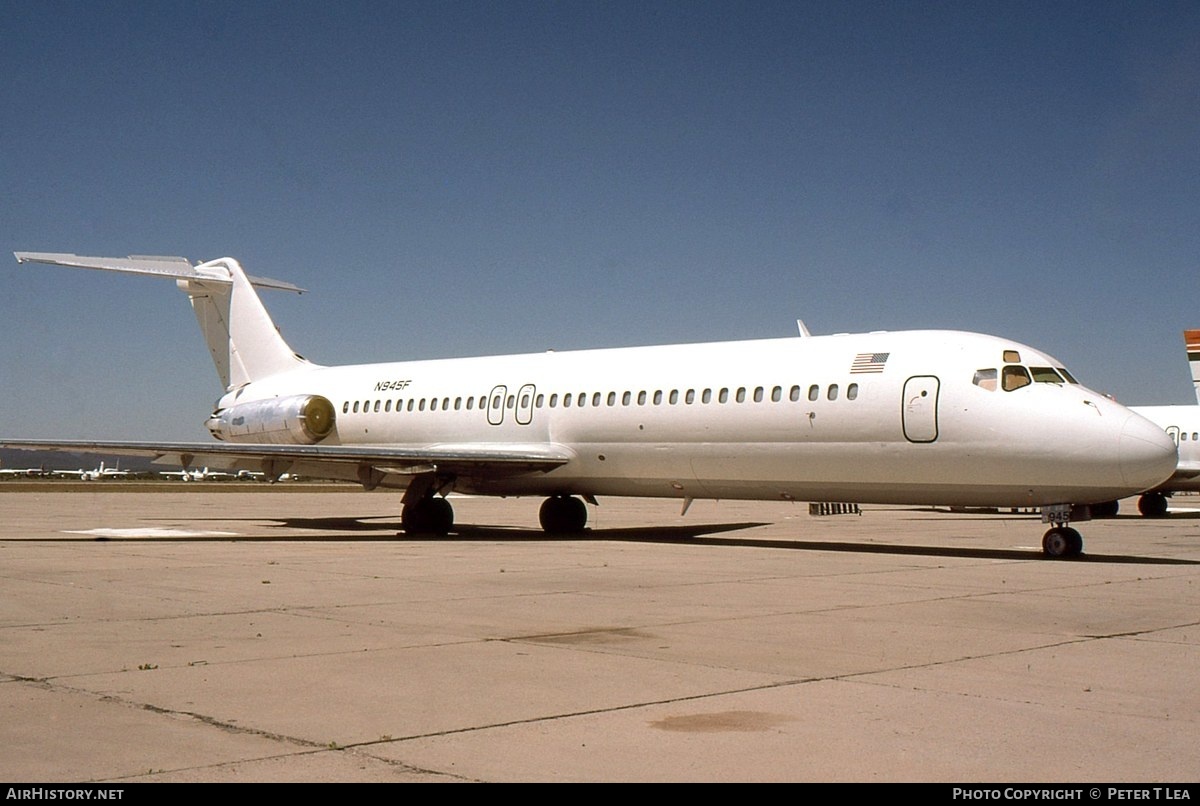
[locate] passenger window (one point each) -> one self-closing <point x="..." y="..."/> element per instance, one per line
<point x="758" y="394"/>
<point x="512" y="402"/>
<point x="985" y="379"/>
<point x="596" y="400"/>
<point x="410" y="404"/>
<point x="814" y="392"/>
<point x="690" y="397"/>
<point x="833" y="391"/>
<point x="566" y="401"/>
<point x="852" y="392"/>
<point x="641" y="398"/>
<point x="554" y="400"/>
<point x="346" y="407"/>
<point x="525" y="400"/>
<point x="674" y="396"/>
<point x="741" y="394"/>
<point x="706" y="397"/>
<point x="658" y="397"/>
<point x="1014" y="377"/>
<point x="626" y="399"/>
<point x="777" y="394"/>
<point x="612" y="398"/>
<point x="421" y="405"/>
<point x="794" y="395"/>
<point x="433" y="404"/>
<point x="724" y="396"/>
<point x="387" y="405"/>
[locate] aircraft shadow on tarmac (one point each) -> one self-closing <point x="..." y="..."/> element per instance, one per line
<point x="375" y="530"/>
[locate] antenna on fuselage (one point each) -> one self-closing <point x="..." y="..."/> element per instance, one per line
<point x="802" y="328"/>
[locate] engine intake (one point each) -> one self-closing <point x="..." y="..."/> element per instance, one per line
<point x="294" y="420"/>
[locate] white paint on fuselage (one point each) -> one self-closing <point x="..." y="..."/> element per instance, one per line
<point x="1182" y="424"/>
<point x="1041" y="444"/>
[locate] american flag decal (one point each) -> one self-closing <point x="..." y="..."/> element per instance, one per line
<point x="868" y="362"/>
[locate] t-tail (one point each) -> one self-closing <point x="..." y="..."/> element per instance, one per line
<point x="244" y="343"/>
<point x="1191" y="338"/>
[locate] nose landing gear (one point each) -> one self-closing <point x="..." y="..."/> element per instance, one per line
<point x="1061" y="540"/>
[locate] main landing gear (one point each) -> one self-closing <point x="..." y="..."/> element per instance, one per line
<point x="563" y="514"/>
<point x="431" y="515"/>
<point x="559" y="515"/>
<point x="1061" y="540"/>
<point x="1153" y="505"/>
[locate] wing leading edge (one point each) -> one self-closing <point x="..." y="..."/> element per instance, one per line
<point x="337" y="461"/>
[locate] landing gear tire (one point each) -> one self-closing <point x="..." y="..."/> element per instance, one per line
<point x="1062" y="541"/>
<point x="1108" y="509"/>
<point x="428" y="516"/>
<point x="563" y="514"/>
<point x="1153" y="505"/>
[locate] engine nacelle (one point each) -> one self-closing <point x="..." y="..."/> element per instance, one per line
<point x="294" y="420"/>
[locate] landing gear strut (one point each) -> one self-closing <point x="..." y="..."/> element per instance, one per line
<point x="563" y="514"/>
<point x="1061" y="540"/>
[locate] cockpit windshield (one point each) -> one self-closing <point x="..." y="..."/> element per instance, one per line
<point x="1045" y="375"/>
<point x="1016" y="376"/>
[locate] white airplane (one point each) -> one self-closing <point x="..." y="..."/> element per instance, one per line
<point x="22" y="472"/>
<point x="1182" y="425"/>
<point x="203" y="474"/>
<point x="915" y="417"/>
<point x="95" y="474"/>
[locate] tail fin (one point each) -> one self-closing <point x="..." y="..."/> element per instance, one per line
<point x="244" y="343"/>
<point x="1191" y="339"/>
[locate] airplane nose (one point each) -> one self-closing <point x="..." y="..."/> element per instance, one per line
<point x="1148" y="455"/>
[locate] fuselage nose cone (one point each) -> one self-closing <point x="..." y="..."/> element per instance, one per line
<point x="1148" y="455"/>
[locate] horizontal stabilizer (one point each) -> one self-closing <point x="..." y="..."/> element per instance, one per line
<point x="176" y="268"/>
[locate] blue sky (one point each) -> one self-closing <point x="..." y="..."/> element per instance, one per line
<point x="463" y="178"/>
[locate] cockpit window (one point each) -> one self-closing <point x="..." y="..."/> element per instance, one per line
<point x="985" y="379"/>
<point x="1045" y="375"/>
<point x="1063" y="372"/>
<point x="1012" y="357"/>
<point x="1014" y="377"/>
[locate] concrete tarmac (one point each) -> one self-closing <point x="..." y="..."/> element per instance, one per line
<point x="293" y="636"/>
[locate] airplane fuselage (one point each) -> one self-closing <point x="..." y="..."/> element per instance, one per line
<point x="903" y="417"/>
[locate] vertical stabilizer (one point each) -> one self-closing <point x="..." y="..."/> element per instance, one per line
<point x="244" y="343"/>
<point x="1191" y="338"/>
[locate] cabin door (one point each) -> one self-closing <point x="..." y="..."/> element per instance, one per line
<point x="919" y="411"/>
<point x="495" y="405"/>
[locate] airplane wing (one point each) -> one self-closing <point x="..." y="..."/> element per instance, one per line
<point x="354" y="463"/>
